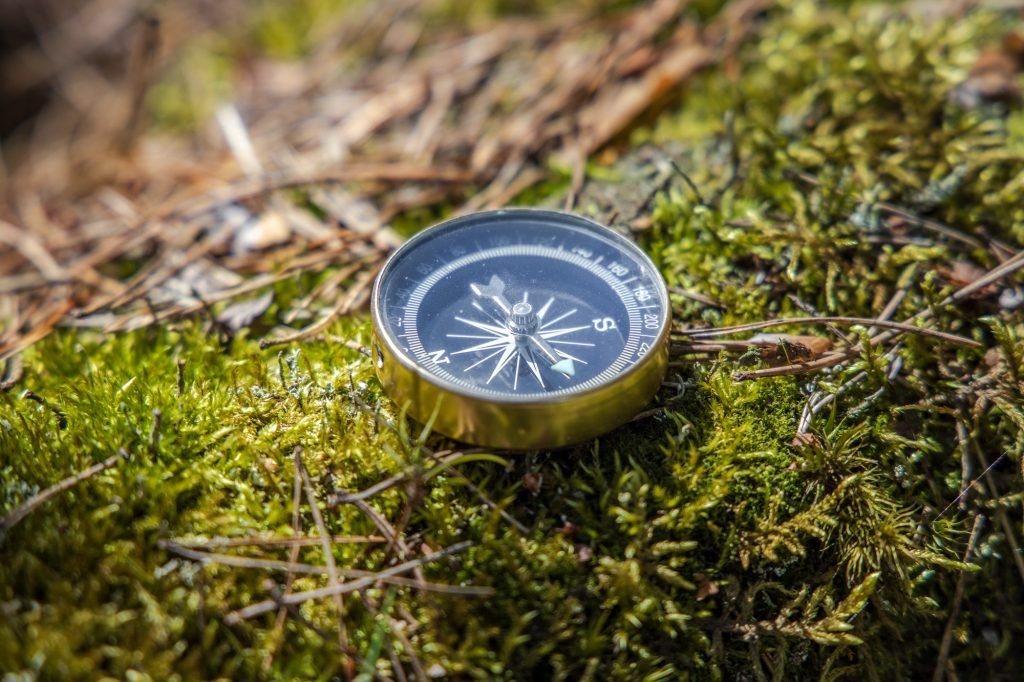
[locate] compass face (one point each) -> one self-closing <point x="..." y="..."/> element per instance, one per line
<point x="521" y="305"/>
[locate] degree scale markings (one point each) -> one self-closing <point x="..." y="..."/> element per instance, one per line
<point x="494" y="326"/>
<point x="418" y="296"/>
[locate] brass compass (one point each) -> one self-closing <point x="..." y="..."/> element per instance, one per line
<point x="520" y="328"/>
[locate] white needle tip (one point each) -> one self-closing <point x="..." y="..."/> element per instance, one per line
<point x="565" y="366"/>
<point x="493" y="288"/>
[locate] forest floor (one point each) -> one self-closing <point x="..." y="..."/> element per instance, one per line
<point x="200" y="477"/>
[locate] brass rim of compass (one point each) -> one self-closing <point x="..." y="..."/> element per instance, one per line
<point x="515" y="423"/>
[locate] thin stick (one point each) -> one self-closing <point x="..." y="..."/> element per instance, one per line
<point x="293" y="558"/>
<point x="968" y="488"/>
<point x="332" y="569"/>
<point x="344" y="497"/>
<point x="62" y="419"/>
<point x="947" y="635"/>
<point x="523" y="530"/>
<point x="808" y="309"/>
<point x="341" y="496"/>
<point x="816" y="402"/>
<point x="40" y="330"/>
<point x="313" y="569"/>
<point x="384" y="526"/>
<point x="865" y="321"/>
<point x="890" y="308"/>
<point x="125" y="323"/>
<point x="14" y="369"/>
<point x="181" y="376"/>
<point x="690" y="183"/>
<point x="963" y="438"/>
<point x="23" y="510"/>
<point x="994" y="275"/>
<point x="797" y="368"/>
<point x="698" y="297"/>
<point x="417" y="665"/>
<point x="354" y="298"/>
<point x="33" y="251"/>
<point x="1011" y="536"/>
<point x="346" y="588"/>
<point x="275" y="541"/>
<point x="928" y="224"/>
<point x="579" y="176"/>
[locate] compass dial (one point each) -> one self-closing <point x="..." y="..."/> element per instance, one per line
<point x="520" y="306"/>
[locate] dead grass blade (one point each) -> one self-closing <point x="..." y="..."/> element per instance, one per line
<point x="17" y="514"/>
<point x="346" y="588"/>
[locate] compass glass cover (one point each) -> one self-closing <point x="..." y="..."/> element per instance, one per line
<point x="521" y="304"/>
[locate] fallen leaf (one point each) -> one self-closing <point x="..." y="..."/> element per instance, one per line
<point x="256" y="234"/>
<point x="960" y="273"/>
<point x="198" y="280"/>
<point x="993" y="77"/>
<point x="243" y="313"/>
<point x="805" y="440"/>
<point x="532" y="481"/>
<point x="791" y="347"/>
<point x="1011" y="298"/>
<point x="705" y="587"/>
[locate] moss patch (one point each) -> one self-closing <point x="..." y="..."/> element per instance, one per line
<point x="698" y="543"/>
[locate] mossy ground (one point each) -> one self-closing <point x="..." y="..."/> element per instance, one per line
<point x="697" y="543"/>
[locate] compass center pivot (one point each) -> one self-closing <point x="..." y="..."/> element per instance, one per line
<point x="522" y="320"/>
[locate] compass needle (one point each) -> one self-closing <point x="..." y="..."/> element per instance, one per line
<point x="565" y="366"/>
<point x="483" y="360"/>
<point x="561" y="332"/>
<point x="493" y="289"/>
<point x="531" y="362"/>
<point x="484" y="326"/>
<point x="544" y="308"/>
<point x="505" y="358"/>
<point x="574" y="343"/>
<point x="487" y="313"/>
<point x="494" y="343"/>
<point x="470" y="319"/>
<point x="563" y="354"/>
<point x="559" y="318"/>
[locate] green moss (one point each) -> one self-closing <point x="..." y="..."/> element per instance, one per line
<point x="697" y="543"/>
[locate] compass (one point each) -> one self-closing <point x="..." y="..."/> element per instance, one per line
<point x="520" y="328"/>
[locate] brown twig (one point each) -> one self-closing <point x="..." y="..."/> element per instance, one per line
<point x="357" y="294"/>
<point x="313" y="569"/>
<point x="968" y="488"/>
<point x="927" y="223"/>
<point x="62" y="419"/>
<point x="293" y="558"/>
<point x="14" y="369"/>
<point x="346" y="588"/>
<point x="30" y="505"/>
<point x="277" y="541"/>
<point x="417" y="665"/>
<point x="863" y="321"/>
<point x="958" y="596"/>
<point x="328" y="549"/>
<point x="698" y="297"/>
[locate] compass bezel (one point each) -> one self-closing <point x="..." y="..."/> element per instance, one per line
<point x="511" y="420"/>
